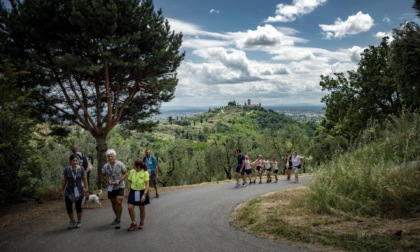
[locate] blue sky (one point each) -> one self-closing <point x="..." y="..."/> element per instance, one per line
<point x="271" y="51"/>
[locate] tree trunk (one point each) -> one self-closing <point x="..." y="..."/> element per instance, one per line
<point x="101" y="148"/>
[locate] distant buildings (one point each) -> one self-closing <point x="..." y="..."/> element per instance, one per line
<point x="246" y="104"/>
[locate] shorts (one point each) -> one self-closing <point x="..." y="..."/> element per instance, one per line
<point x="153" y="180"/>
<point x="249" y="171"/>
<point x="259" y="169"/>
<point x="115" y="193"/>
<point x="276" y="171"/>
<point x="268" y="169"/>
<point x="131" y="198"/>
<point x="238" y="168"/>
<point x="288" y="168"/>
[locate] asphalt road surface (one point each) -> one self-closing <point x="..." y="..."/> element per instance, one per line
<point x="194" y="219"/>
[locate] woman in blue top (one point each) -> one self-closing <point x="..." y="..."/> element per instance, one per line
<point x="72" y="187"/>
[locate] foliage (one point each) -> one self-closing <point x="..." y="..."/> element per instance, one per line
<point x="17" y="171"/>
<point x="325" y="147"/>
<point x="406" y="51"/>
<point x="379" y="177"/>
<point x="416" y="7"/>
<point x="370" y="93"/>
<point x="94" y="63"/>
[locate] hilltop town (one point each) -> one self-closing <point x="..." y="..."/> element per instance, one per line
<point x="297" y="112"/>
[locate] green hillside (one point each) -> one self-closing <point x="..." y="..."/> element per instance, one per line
<point x="219" y="123"/>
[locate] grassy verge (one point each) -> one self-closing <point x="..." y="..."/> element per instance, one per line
<point x="285" y="215"/>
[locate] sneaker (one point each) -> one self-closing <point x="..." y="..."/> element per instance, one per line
<point x="132" y="227"/>
<point x="243" y="184"/>
<point x="288" y="178"/>
<point x="141" y="225"/>
<point x="114" y="222"/>
<point x="237" y="185"/>
<point x="72" y="225"/>
<point x="260" y="182"/>
<point x="118" y="224"/>
<point x="78" y="224"/>
<point x="157" y="195"/>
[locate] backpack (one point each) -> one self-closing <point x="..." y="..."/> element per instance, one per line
<point x="83" y="161"/>
<point x="89" y="165"/>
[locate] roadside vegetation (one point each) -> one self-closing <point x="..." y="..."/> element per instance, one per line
<point x="364" y="200"/>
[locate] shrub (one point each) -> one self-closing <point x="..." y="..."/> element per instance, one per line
<point x="374" y="179"/>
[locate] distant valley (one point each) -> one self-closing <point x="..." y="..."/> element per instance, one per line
<point x="298" y="112"/>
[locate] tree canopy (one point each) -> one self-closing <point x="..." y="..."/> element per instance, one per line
<point x="95" y="63"/>
<point x="386" y="83"/>
<point x="368" y="93"/>
<point x="416" y="7"/>
<point x="15" y="132"/>
<point x="405" y="58"/>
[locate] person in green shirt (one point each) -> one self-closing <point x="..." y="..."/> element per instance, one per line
<point x="137" y="193"/>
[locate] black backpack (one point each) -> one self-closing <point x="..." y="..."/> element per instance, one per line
<point x="83" y="161"/>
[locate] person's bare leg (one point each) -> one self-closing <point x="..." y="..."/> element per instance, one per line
<point x="156" y="190"/>
<point x="118" y="207"/>
<point x="142" y="213"/>
<point x="132" y="213"/>
<point x="114" y="206"/>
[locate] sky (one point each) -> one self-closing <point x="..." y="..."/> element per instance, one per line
<point x="271" y="51"/>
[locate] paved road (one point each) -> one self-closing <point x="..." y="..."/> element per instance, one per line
<point x="195" y="219"/>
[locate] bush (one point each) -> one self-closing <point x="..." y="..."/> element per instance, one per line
<point x="374" y="179"/>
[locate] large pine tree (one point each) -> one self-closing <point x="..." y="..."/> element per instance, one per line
<point x="95" y="63"/>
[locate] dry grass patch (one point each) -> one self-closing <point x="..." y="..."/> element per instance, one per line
<point x="283" y="215"/>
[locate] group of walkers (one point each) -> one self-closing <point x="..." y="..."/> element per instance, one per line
<point x="144" y="171"/>
<point x="265" y="165"/>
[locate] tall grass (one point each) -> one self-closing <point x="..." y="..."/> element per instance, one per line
<point x="379" y="177"/>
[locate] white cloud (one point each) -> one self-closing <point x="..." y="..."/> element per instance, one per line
<point x="191" y="29"/>
<point x="380" y="35"/>
<point x="386" y="20"/>
<point x="353" y="25"/>
<point x="289" y="13"/>
<point x="221" y="67"/>
<point x="293" y="53"/>
<point x="263" y="37"/>
<point x="354" y="53"/>
<point x="214" y="11"/>
<point x="197" y="43"/>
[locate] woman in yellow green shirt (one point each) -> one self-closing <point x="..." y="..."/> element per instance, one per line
<point x="137" y="193"/>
